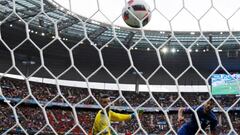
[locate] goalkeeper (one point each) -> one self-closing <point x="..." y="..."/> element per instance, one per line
<point x="101" y="121"/>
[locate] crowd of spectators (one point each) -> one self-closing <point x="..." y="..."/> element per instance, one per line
<point x="20" y="116"/>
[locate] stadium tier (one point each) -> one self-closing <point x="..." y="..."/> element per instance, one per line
<point x="61" y="116"/>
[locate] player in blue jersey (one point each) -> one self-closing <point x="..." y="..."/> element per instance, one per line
<point x="206" y="117"/>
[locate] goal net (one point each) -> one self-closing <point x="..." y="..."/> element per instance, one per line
<point x="58" y="58"/>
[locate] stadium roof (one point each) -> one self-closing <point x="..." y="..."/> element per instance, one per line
<point x="176" y="15"/>
<point x="73" y="25"/>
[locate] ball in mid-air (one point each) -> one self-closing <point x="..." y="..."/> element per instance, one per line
<point x="136" y="12"/>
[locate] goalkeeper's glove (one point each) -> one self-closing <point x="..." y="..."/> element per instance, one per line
<point x="139" y="112"/>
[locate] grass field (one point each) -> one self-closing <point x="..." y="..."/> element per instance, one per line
<point x="230" y="87"/>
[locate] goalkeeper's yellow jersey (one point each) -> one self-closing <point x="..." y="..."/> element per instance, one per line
<point x="101" y="121"/>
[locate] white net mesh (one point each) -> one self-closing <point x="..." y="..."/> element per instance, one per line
<point x="43" y="44"/>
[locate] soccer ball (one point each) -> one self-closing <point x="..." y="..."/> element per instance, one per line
<point x="136" y="12"/>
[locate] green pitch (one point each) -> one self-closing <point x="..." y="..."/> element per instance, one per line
<point x="232" y="87"/>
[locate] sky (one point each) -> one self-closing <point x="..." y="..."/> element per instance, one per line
<point x="167" y="15"/>
<point x="205" y="15"/>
